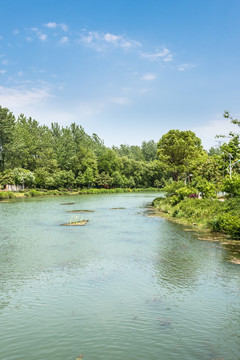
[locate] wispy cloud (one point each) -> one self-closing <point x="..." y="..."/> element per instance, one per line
<point x="64" y="40"/>
<point x="51" y="25"/>
<point x="16" y="32"/>
<point x="163" y="55"/>
<point x="18" y="97"/>
<point x="54" y="25"/>
<point x="184" y="67"/>
<point x="42" y="37"/>
<point x="3" y="71"/>
<point x="149" y="77"/>
<point x="102" y="41"/>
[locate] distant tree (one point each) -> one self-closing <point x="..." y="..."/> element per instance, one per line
<point x="149" y="150"/>
<point x="214" y="151"/>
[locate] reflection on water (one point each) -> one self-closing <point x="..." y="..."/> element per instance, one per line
<point x="125" y="286"/>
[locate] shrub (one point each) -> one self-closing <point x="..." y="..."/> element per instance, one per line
<point x="34" y="193"/>
<point x="3" y="195"/>
<point x="227" y="223"/>
<point x="6" y="195"/>
<point x="232" y="186"/>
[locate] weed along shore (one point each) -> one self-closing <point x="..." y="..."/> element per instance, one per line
<point x="206" y="214"/>
<point x="211" y="219"/>
<point x="6" y="195"/>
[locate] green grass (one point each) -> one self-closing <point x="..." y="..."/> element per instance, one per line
<point x="115" y="190"/>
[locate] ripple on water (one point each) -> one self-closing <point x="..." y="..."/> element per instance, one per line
<point x="128" y="286"/>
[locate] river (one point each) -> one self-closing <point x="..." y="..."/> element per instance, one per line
<point x="125" y="286"/>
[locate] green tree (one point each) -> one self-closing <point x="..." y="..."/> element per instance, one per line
<point x="104" y="180"/>
<point x="32" y="145"/>
<point x="7" y="123"/>
<point x="149" y="150"/>
<point x="108" y="161"/>
<point x="232" y="186"/>
<point x="118" y="180"/>
<point x="178" y="149"/>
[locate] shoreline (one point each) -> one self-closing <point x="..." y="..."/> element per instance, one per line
<point x="10" y="195"/>
<point x="203" y="234"/>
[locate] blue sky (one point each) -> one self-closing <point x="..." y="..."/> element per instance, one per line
<point x="126" y="70"/>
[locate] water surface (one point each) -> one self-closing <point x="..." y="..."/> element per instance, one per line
<point x="125" y="286"/>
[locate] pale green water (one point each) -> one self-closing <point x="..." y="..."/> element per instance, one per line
<point x="125" y="286"/>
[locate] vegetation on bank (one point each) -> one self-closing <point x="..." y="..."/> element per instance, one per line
<point x="5" y="195"/>
<point x="58" y="158"/>
<point x="210" y="214"/>
<point x="205" y="193"/>
<point x="42" y="157"/>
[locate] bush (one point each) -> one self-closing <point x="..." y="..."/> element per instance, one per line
<point x="7" y="195"/>
<point x="172" y="187"/>
<point x="34" y="193"/>
<point x="227" y="223"/>
<point x="232" y="186"/>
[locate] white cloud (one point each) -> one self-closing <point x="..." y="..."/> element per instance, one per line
<point x="64" y="27"/>
<point x="3" y="71"/>
<point x="15" y="98"/>
<point x="111" y="38"/>
<point x="102" y="41"/>
<point x="51" y="25"/>
<point x="54" y="25"/>
<point x="168" y="58"/>
<point x="42" y="37"/>
<point x="5" y="62"/>
<point x="20" y="73"/>
<point x="64" y="40"/>
<point x="184" y="67"/>
<point x="164" y="55"/>
<point x="149" y="77"/>
<point x="16" y="32"/>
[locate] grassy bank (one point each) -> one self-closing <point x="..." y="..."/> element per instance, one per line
<point x="5" y="195"/>
<point x="210" y="214"/>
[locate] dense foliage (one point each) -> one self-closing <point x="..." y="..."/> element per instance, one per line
<point x="57" y="157"/>
<point x="67" y="157"/>
<point x="60" y="158"/>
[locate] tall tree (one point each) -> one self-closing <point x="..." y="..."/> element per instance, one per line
<point x="7" y="123"/>
<point x="178" y="149"/>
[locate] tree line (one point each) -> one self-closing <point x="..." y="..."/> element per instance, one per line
<point x="67" y="157"/>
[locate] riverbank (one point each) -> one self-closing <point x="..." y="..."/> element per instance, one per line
<point x="6" y="195"/>
<point x="210" y="215"/>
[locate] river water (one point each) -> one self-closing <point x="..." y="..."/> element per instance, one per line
<point x="125" y="286"/>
